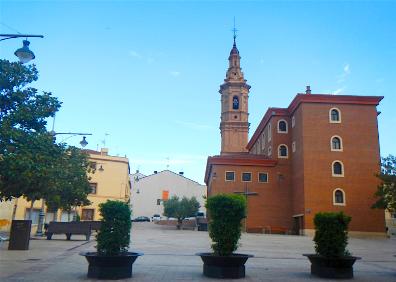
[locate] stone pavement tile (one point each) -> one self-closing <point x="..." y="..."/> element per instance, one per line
<point x="169" y="256"/>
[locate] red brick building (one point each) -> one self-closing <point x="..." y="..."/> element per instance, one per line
<point x="320" y="153"/>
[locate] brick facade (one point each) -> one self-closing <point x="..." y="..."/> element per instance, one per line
<point x="299" y="159"/>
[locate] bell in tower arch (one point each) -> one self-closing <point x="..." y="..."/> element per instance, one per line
<point x="235" y="103"/>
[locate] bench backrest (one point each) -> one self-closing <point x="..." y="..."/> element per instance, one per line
<point x="95" y="224"/>
<point x="189" y="223"/>
<point x="69" y="227"/>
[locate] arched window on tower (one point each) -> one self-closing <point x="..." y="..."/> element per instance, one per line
<point x="282" y="126"/>
<point x="339" y="197"/>
<point x="338" y="168"/>
<point x="282" y="151"/>
<point x="235" y="103"/>
<point x="336" y="144"/>
<point x="335" y="115"/>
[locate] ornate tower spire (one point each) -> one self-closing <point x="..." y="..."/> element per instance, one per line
<point x="234" y="125"/>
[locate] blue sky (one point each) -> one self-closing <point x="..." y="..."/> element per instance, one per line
<point x="148" y="73"/>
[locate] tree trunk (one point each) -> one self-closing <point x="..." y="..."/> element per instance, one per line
<point x="15" y="209"/>
<point x="56" y="215"/>
<point x="31" y="210"/>
<point x="179" y="223"/>
<point x="68" y="216"/>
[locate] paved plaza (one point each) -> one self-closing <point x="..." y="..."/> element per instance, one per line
<point x="169" y="256"/>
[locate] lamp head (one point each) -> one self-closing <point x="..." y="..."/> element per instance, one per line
<point x="25" y="54"/>
<point x="83" y="142"/>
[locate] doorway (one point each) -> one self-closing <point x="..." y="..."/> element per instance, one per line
<point x="298" y="224"/>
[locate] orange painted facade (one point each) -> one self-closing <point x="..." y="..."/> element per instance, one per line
<point x="319" y="154"/>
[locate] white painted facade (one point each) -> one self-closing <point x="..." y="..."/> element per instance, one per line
<point x="147" y="191"/>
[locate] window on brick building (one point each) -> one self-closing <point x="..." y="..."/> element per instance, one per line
<point x="269" y="132"/>
<point x="282" y="151"/>
<point x="246" y="176"/>
<point x="338" y="168"/>
<point x="94" y="187"/>
<point x="335" y="115"/>
<point x="339" y="197"/>
<point x="293" y="121"/>
<point x="87" y="214"/>
<point x="336" y="143"/>
<point x="269" y="151"/>
<point x="282" y="126"/>
<point x="230" y="176"/>
<point x="294" y="146"/>
<point x="263" y="177"/>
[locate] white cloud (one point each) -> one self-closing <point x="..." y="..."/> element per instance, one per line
<point x="150" y="60"/>
<point x="346" y="72"/>
<point x="347" y="69"/>
<point x="175" y="73"/>
<point x="135" y="54"/>
<point x="339" y="91"/>
<point x="193" y="125"/>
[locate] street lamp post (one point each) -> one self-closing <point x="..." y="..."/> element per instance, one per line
<point x="83" y="143"/>
<point x="24" y="54"/>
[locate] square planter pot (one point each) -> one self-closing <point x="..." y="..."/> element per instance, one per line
<point x="231" y="267"/>
<point x="110" y="267"/>
<point x="336" y="268"/>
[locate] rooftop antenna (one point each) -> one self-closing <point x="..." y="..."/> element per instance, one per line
<point x="234" y="30"/>
<point x="104" y="140"/>
<point x="167" y="162"/>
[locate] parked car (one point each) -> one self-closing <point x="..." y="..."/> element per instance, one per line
<point x="200" y="214"/>
<point x="156" y="217"/>
<point x="141" y="219"/>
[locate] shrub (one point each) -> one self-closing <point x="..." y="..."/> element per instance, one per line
<point x="114" y="234"/>
<point x="181" y="208"/>
<point x="331" y="235"/>
<point x="225" y="213"/>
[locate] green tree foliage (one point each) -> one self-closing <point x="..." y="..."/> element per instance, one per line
<point x="386" y="192"/>
<point x="331" y="234"/>
<point x="72" y="185"/>
<point x="226" y="213"/>
<point x="31" y="163"/>
<point x="27" y="151"/>
<point x="114" y="234"/>
<point x="181" y="208"/>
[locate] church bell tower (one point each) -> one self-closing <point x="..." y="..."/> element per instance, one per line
<point x="234" y="125"/>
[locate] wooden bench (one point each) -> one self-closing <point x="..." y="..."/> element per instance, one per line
<point x="276" y="230"/>
<point x="202" y="224"/>
<point x="95" y="224"/>
<point x="69" y="228"/>
<point x="189" y="224"/>
<point x="256" y="229"/>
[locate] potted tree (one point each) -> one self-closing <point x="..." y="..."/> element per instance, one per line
<point x="332" y="259"/>
<point x="180" y="208"/>
<point x="225" y="213"/>
<point x="112" y="259"/>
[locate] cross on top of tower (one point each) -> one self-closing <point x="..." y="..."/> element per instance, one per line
<point x="234" y="30"/>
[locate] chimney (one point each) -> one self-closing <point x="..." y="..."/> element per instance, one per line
<point x="104" y="151"/>
<point x="137" y="171"/>
<point x="155" y="172"/>
<point x="308" y="91"/>
<point x="181" y="172"/>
